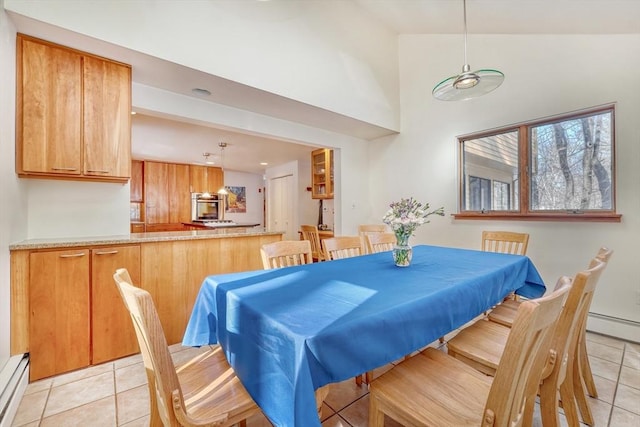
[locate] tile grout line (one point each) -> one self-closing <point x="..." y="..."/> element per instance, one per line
<point x="615" y="392"/>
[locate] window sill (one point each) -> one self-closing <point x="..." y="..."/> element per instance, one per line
<point x="559" y="217"/>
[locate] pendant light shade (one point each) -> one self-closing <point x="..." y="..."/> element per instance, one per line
<point x="467" y="84"/>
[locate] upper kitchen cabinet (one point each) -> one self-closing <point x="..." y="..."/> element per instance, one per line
<point x="322" y="174"/>
<point x="205" y="179"/>
<point x="73" y="115"/>
<point x="137" y="178"/>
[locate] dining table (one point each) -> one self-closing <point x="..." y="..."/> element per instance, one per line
<point x="287" y="332"/>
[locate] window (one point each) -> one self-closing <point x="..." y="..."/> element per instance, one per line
<point x="557" y="168"/>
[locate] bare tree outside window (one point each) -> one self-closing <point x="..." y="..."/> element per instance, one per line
<point x="546" y="169"/>
<point x="571" y="164"/>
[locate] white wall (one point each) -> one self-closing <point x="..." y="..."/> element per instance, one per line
<point x="545" y="75"/>
<point x="255" y="196"/>
<point x="12" y="204"/>
<point x="278" y="47"/>
<point x="76" y="208"/>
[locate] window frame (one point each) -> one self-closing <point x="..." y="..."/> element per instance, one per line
<point x="524" y="213"/>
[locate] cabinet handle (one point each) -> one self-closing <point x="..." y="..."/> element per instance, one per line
<point x="64" y="169"/>
<point x="97" y="171"/>
<point x="72" y="255"/>
<point x="107" y="253"/>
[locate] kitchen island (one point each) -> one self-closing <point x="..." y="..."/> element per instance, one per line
<point x="65" y="308"/>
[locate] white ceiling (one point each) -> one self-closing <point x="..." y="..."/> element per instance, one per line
<point x="400" y="16"/>
<point x="507" y="16"/>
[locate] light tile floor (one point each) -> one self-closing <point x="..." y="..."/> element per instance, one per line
<point x="116" y="394"/>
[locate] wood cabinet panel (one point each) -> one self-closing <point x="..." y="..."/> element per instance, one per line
<point x="136" y="183"/>
<point x="73" y="113"/>
<point x="156" y="192"/>
<point x="112" y="334"/>
<point x="59" y="328"/>
<point x="173" y="272"/>
<point x="49" y="109"/>
<point x="107" y="118"/>
<point x="205" y="179"/>
<point x="179" y="197"/>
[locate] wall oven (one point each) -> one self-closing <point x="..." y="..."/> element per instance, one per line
<point x="206" y="207"/>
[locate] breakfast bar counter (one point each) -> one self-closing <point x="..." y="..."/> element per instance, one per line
<point x="137" y="238"/>
<point x="66" y="311"/>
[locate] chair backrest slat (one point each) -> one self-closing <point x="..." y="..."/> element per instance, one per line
<point x="156" y="357"/>
<point x="366" y="229"/>
<point x="380" y="242"/>
<point x="342" y="247"/>
<point x="526" y="350"/>
<point x="310" y="233"/>
<point x="286" y="253"/>
<point x="505" y="242"/>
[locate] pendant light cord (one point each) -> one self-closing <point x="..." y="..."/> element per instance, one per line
<point x="464" y="11"/>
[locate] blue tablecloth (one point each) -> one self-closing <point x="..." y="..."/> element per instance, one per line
<point x="288" y="331"/>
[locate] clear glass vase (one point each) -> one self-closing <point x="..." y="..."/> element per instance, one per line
<point x="402" y="251"/>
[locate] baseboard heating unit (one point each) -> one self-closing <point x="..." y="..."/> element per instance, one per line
<point x="613" y="326"/>
<point x="14" y="378"/>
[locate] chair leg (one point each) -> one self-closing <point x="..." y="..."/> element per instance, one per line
<point x="549" y="407"/>
<point x="368" y="377"/>
<point x="376" y="416"/>
<point x="358" y="380"/>
<point x="585" y="367"/>
<point x="580" y="394"/>
<point x="568" y="398"/>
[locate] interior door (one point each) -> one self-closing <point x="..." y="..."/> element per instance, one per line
<point x="280" y="206"/>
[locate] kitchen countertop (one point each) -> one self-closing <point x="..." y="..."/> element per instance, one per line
<point x="135" y="238"/>
<point x="221" y="225"/>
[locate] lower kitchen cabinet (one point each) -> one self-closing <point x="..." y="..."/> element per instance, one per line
<point x="77" y="317"/>
<point x="112" y="334"/>
<point x="59" y="330"/>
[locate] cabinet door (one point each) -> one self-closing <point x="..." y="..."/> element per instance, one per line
<point x="112" y="333"/>
<point x="156" y="192"/>
<point x="322" y="174"/>
<point x="59" y="337"/>
<point x="179" y="196"/>
<point x="107" y="118"/>
<point x="215" y="179"/>
<point x="137" y="176"/>
<point x="197" y="179"/>
<point x="49" y="109"/>
<point x="205" y="179"/>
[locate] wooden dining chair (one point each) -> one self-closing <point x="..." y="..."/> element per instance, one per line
<point x="365" y="229"/>
<point x="342" y="247"/>
<point x="203" y="391"/>
<point x="435" y="389"/>
<point x="310" y="233"/>
<point x="481" y="345"/>
<point x="505" y="313"/>
<point x="506" y="242"/>
<point x="285" y="253"/>
<point x="380" y="242"/>
<point x="604" y="255"/>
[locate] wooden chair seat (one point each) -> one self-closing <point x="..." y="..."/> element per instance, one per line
<point x="285" y="254"/>
<point x="203" y="391"/>
<point x="342" y="247"/>
<point x="434" y="389"/>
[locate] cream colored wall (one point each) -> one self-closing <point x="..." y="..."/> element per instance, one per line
<point x="545" y="75"/>
<point x="278" y="47"/>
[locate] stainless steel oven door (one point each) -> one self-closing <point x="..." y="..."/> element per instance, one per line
<point x="205" y="208"/>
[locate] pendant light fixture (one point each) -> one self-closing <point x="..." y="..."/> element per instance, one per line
<point x="206" y="194"/>
<point x="468" y="84"/>
<point x="223" y="190"/>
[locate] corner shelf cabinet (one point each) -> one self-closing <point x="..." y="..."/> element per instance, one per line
<point x="322" y="174"/>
